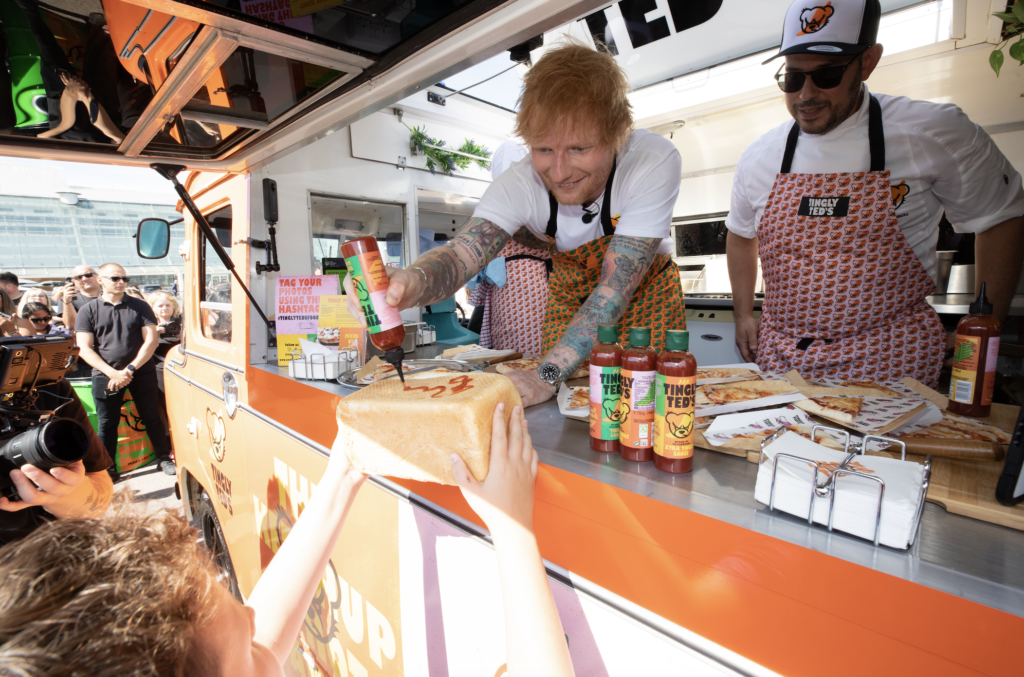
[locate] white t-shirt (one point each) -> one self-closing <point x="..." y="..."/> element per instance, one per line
<point x="648" y="172"/>
<point x="946" y="161"/>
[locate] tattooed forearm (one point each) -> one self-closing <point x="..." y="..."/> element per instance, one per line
<point x="446" y="269"/>
<point x="525" y="237"/>
<point x="625" y="264"/>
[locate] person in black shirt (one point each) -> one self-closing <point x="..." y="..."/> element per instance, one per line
<point x="9" y="283"/>
<point x="117" y="335"/>
<point x="81" y="489"/>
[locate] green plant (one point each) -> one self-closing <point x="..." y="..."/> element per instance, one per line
<point x="440" y="157"/>
<point x="1013" y="28"/>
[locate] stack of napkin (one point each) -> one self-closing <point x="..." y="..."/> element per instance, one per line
<point x="856" y="500"/>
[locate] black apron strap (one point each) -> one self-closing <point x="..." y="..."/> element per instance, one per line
<point x="606" y="209"/>
<point x="549" y="264"/>
<point x="876" y="140"/>
<point x="606" y="206"/>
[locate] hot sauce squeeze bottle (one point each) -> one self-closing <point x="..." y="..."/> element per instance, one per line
<point x="605" y="388"/>
<point x="675" y="389"/>
<point x="974" y="360"/>
<point x="370" y="280"/>
<point x="636" y="403"/>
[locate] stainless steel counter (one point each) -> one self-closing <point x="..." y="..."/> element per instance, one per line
<point x="961" y="556"/>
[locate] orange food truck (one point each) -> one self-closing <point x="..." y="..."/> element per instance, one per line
<point x="653" y="574"/>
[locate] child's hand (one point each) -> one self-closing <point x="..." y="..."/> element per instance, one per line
<point x="505" y="498"/>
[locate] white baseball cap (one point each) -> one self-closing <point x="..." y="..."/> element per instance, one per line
<point x="833" y="27"/>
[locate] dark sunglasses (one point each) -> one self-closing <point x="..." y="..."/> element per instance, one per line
<point x="823" y="78"/>
<point x="118" y="279"/>
<point x="41" y="320"/>
<point x="83" y="277"/>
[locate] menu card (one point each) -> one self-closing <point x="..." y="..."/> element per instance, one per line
<point x="297" y="314"/>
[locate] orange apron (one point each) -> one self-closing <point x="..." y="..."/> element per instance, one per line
<point x="657" y="303"/>
<point x="845" y="292"/>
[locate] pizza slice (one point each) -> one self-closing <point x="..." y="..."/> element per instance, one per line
<point x="724" y="372"/>
<point x="383" y="371"/>
<point x="839" y="409"/>
<point x="580" y="398"/>
<point x="802" y="430"/>
<point x="882" y="390"/>
<point x="742" y="391"/>
<point x="960" y="428"/>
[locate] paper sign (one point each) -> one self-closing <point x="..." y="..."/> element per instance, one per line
<point x="298" y="302"/>
<point x="288" y="343"/>
<point x="334" y="312"/>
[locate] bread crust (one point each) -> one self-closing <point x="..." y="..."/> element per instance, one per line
<point x="410" y="431"/>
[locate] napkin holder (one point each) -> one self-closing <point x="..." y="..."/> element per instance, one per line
<point x="829" y="488"/>
<point x="320" y="366"/>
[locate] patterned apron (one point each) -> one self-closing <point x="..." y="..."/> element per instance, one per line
<point x="514" y="314"/>
<point x="845" y="292"/>
<point x="657" y="303"/>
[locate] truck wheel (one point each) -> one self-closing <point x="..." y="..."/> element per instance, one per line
<point x="204" y="520"/>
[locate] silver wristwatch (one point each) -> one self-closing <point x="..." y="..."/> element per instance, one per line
<point x="550" y="374"/>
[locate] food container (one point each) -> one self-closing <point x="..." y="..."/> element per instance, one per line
<point x="961" y="280"/>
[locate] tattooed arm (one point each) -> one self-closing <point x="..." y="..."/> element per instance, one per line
<point x="64" y="492"/>
<point x="627" y="261"/>
<point x="441" y="272"/>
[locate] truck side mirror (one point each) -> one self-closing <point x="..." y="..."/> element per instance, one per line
<point x="153" y="238"/>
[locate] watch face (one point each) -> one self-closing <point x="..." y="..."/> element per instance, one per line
<point x="549" y="373"/>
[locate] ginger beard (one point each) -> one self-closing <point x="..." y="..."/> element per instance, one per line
<point x="827" y="108"/>
<point x="573" y="163"/>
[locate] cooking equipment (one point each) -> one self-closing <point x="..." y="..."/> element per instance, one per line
<point x="961" y="280"/>
<point x="945" y="265"/>
<point x="713" y="336"/>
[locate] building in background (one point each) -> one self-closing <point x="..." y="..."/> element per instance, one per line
<point x="47" y="227"/>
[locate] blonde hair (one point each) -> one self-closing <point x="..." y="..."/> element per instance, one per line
<point x="122" y="594"/>
<point x="573" y="84"/>
<point x="35" y="291"/>
<point x="153" y="297"/>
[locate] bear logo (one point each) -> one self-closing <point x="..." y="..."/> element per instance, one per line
<point x="813" y="19"/>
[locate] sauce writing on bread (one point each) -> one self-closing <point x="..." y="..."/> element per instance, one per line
<point x="461" y="383"/>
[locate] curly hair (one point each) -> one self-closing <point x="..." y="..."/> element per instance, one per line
<point x="161" y="295"/>
<point x="122" y="594"/>
<point x="573" y="83"/>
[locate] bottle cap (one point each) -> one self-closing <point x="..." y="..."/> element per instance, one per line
<point x="981" y="306"/>
<point x="677" y="339"/>
<point x="608" y="333"/>
<point x="640" y="337"/>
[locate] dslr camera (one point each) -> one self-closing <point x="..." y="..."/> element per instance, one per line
<point x="172" y="328"/>
<point x="27" y="434"/>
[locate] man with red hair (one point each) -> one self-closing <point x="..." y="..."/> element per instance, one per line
<point x="595" y="194"/>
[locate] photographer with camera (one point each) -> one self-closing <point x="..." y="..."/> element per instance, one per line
<point x="52" y="463"/>
<point x="83" y="286"/>
<point x="168" y="317"/>
<point x="117" y="335"/>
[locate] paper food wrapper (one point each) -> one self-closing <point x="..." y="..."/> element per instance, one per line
<point x="368" y="368"/>
<point x="318" y="362"/>
<point x="564" y="393"/>
<point x="761" y="403"/>
<point x="724" y="430"/>
<point x="856" y="498"/>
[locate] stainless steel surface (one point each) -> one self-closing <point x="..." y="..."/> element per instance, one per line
<point x="961" y="280"/>
<point x="958" y="304"/>
<point x="961" y="556"/>
<point x="351" y="380"/>
<point x="716" y="301"/>
<point x="945" y="264"/>
<point x="971" y="559"/>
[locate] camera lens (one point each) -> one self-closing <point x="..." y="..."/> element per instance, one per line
<point x="56" y="443"/>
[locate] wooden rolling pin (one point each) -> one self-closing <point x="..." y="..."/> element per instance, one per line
<point x="967" y="450"/>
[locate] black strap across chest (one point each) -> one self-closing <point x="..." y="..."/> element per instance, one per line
<point x="606" y="209"/>
<point x="876" y="140"/>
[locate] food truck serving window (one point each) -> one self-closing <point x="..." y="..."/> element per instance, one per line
<point x="336" y="220"/>
<point x="215" y="292"/>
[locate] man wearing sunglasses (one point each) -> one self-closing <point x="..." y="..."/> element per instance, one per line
<point x="843" y="207"/>
<point x="84" y="287"/>
<point x="117" y="335"/>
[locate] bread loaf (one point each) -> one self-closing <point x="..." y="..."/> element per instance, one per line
<point x="411" y="430"/>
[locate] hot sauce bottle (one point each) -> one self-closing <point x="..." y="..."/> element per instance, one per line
<point x="605" y="368"/>
<point x="675" y="389"/>
<point x="370" y="280"/>
<point x="974" y="360"/>
<point x="636" y="403"/>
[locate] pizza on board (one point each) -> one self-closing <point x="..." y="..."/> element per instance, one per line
<point x="580" y="398"/>
<point x="953" y="427"/>
<point x="742" y="391"/>
<point x="839" y="409"/>
<point x="725" y="372"/>
<point x="528" y="363"/>
<point x="383" y="371"/>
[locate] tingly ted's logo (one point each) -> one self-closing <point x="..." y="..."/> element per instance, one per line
<point x="814" y="19"/>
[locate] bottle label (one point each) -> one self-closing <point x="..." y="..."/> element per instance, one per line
<point x="604" y="402"/>
<point x="636" y="406"/>
<point x="965" y="369"/>
<point x="370" y="280"/>
<point x="990" y="371"/>
<point x="674" y="415"/>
